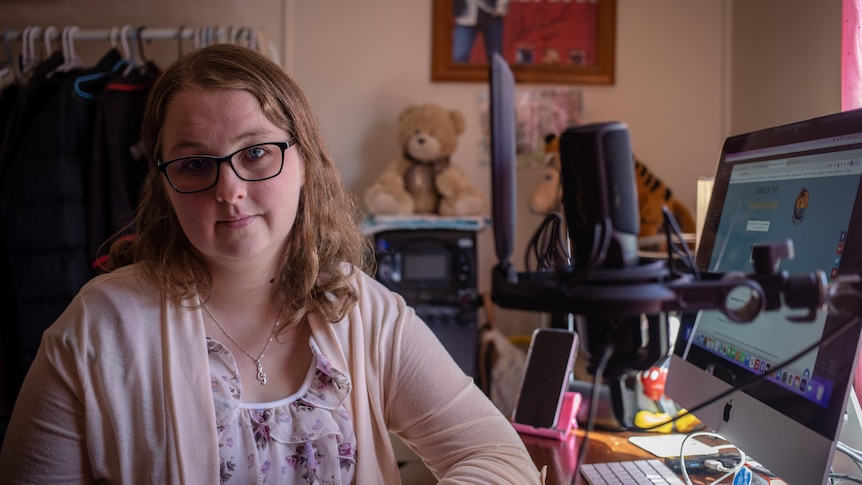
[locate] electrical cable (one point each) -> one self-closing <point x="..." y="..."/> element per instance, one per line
<point x="712" y="464"/>
<point x="602" y="235"/>
<point x="841" y="476"/>
<point x="547" y="245"/>
<point x="685" y="256"/>
<point x="754" y="378"/>
<point x="594" y="406"/>
<point x="854" y="455"/>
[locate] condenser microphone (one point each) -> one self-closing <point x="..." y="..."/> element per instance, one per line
<point x="599" y="195"/>
<point x="603" y="221"/>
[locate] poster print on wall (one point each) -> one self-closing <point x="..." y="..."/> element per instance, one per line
<point x="545" y="41"/>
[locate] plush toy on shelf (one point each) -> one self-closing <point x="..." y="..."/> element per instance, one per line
<point x="653" y="194"/>
<point x="423" y="179"/>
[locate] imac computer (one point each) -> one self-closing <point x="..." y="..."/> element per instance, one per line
<point x="797" y="182"/>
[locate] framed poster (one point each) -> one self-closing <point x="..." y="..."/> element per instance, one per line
<point x="544" y="41"/>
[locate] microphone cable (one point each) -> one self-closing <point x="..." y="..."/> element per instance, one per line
<point x="548" y="246"/>
<point x="594" y="406"/>
<point x="681" y="249"/>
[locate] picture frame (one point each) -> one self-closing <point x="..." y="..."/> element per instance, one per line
<point x="544" y="41"/>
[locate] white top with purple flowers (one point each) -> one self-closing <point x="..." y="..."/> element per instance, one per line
<point x="304" y="438"/>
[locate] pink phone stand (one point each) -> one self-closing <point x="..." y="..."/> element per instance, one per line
<point x="566" y="421"/>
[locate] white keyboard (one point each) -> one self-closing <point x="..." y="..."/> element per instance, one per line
<point x="637" y="472"/>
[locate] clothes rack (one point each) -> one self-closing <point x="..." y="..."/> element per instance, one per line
<point x="146" y="33"/>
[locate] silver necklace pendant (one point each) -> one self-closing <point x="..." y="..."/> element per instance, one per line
<point x="261" y="376"/>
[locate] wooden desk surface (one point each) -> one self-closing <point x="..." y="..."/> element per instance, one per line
<point x="604" y="446"/>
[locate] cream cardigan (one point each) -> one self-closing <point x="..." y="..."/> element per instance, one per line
<point x="120" y="392"/>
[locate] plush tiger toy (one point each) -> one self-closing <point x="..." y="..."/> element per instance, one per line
<point x="652" y="194"/>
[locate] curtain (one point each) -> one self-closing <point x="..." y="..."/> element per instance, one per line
<point x="851" y="91"/>
<point x="851" y="55"/>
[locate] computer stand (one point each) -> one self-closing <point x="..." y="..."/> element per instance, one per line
<point x="850" y="435"/>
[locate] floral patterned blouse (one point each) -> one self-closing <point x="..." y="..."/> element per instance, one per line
<point x="304" y="438"/>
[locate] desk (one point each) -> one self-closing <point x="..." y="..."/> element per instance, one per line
<point x="604" y="446"/>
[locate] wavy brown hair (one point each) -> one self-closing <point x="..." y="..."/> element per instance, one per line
<point x="325" y="246"/>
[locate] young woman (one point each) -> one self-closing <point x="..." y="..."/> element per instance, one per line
<point x="246" y="344"/>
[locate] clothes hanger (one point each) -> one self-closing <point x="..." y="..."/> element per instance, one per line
<point x="50" y="31"/>
<point x="200" y="37"/>
<point x="130" y="54"/>
<point x="80" y="81"/>
<point x="252" y="38"/>
<point x="139" y="40"/>
<point x="180" y="32"/>
<point x="238" y="35"/>
<point x="71" y="60"/>
<point x="211" y="35"/>
<point x="113" y="36"/>
<point x="27" y="56"/>
<point x="9" y="62"/>
<point x="124" y="42"/>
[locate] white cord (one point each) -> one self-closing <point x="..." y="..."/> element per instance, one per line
<point x="713" y="464"/>
<point x="853" y="453"/>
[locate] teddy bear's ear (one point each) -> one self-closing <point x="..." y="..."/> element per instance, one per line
<point x="457" y="121"/>
<point x="408" y="111"/>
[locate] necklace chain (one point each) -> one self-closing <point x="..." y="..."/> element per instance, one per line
<point x="261" y="376"/>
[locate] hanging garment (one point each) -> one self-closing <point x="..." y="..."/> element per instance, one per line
<point x="118" y="164"/>
<point x="43" y="252"/>
<point x="30" y="98"/>
<point x="8" y="100"/>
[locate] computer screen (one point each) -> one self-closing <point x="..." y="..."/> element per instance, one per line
<point x="799" y="182"/>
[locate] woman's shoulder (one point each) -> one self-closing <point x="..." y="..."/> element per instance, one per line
<point x="371" y="291"/>
<point x="118" y="291"/>
<point x="365" y="283"/>
<point x="110" y="308"/>
<point x="126" y="279"/>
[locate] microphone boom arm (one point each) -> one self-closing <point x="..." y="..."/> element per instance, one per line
<point x="648" y="289"/>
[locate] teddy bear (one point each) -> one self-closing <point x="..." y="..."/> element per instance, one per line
<point x="422" y="179"/>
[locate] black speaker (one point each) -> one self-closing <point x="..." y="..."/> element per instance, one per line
<point x="435" y="271"/>
<point x="599" y="195"/>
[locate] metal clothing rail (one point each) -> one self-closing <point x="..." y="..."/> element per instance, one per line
<point x="206" y="35"/>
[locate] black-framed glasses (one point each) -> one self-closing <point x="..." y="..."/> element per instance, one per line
<point x="253" y="163"/>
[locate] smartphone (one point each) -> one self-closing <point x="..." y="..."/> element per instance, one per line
<point x="546" y="377"/>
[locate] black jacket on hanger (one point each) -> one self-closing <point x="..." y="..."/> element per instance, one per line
<point x="28" y="99"/>
<point x="43" y="226"/>
<point x="118" y="164"/>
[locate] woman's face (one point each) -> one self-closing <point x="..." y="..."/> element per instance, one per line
<point x="234" y="221"/>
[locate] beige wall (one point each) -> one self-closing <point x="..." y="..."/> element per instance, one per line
<point x="363" y="62"/>
<point x="786" y="61"/>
